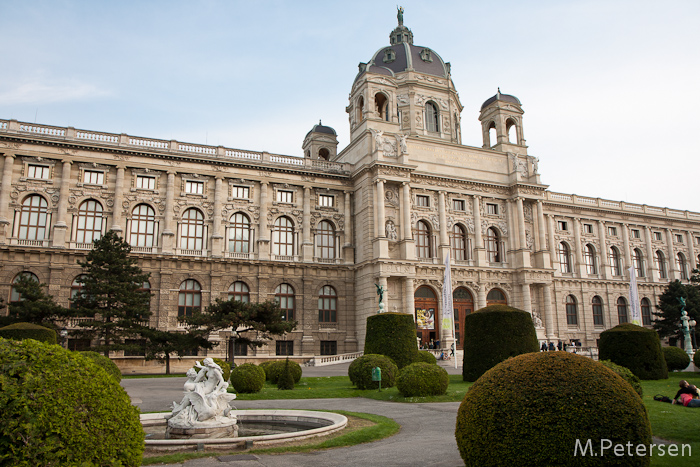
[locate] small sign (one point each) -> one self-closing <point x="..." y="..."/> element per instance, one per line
<point x="376" y="374"/>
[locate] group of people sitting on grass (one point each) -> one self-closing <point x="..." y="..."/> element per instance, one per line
<point x="688" y="395"/>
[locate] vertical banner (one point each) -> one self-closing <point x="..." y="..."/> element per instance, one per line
<point x="447" y="321"/>
<point x="635" y="308"/>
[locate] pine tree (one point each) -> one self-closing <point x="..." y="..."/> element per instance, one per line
<point x="159" y="345"/>
<point x="286" y="381"/>
<point x="668" y="315"/>
<point x="36" y="306"/>
<point x="112" y="294"/>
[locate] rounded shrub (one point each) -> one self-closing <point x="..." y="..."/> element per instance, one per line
<point x="493" y="334"/>
<point x="625" y="374"/>
<point x="274" y="371"/>
<point x="696" y="359"/>
<point x="105" y="362"/>
<point x="393" y="335"/>
<point x="266" y="367"/>
<point x="532" y="409"/>
<point x="286" y="379"/>
<point x="425" y="357"/>
<point x="247" y="378"/>
<point x="676" y="358"/>
<point x="636" y="348"/>
<point x="422" y="379"/>
<point x="360" y="371"/>
<point x="21" y="331"/>
<point x="59" y="408"/>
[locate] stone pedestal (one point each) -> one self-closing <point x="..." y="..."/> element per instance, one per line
<point x="221" y="427"/>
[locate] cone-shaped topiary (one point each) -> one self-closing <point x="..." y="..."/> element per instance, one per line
<point x="676" y="358"/>
<point x="393" y="335"/>
<point x="59" y="408"/>
<point x="493" y="334"/>
<point x="286" y="379"/>
<point x="422" y="379"/>
<point x="531" y="410"/>
<point x="425" y="357"/>
<point x="275" y="369"/>
<point x="625" y="374"/>
<point x="105" y="362"/>
<point x="247" y="378"/>
<point x="360" y="371"/>
<point x="636" y="348"/>
<point x="20" y="331"/>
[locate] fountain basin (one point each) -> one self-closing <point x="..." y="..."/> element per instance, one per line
<point x="296" y="424"/>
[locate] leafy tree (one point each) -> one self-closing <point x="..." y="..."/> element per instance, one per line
<point x="259" y="321"/>
<point x="668" y="315"/>
<point x="36" y="306"/>
<point x="159" y="345"/>
<point x="112" y="294"/>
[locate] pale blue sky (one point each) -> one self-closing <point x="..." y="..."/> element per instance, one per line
<point x="609" y="88"/>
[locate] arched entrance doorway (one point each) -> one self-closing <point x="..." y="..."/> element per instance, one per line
<point x="463" y="304"/>
<point x="496" y="297"/>
<point x="426" y="307"/>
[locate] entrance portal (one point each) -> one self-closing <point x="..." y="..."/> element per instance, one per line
<point x="463" y="304"/>
<point x="426" y="309"/>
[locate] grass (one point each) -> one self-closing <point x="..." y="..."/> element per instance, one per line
<point x="381" y="427"/>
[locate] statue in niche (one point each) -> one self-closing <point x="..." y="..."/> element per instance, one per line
<point x="403" y="144"/>
<point x="380" y="292"/>
<point x="391" y="231"/>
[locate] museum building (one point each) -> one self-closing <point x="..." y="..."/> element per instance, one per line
<point x="318" y="232"/>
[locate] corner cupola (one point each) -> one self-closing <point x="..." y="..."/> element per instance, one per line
<point x="501" y="120"/>
<point x="321" y="143"/>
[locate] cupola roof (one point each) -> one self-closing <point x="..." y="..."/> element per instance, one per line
<point x="500" y="97"/>
<point x="320" y="128"/>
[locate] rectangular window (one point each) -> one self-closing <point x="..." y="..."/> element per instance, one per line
<point x="240" y="349"/>
<point x="588" y="228"/>
<point x="325" y="201"/>
<point x="144" y="182"/>
<point x="38" y="171"/>
<point x="679" y="238"/>
<point x="285" y="196"/>
<point x="329" y="348"/>
<point x="563" y="225"/>
<point x="93" y="177"/>
<point x="195" y="188"/>
<point x="240" y="192"/>
<point x="657" y="236"/>
<point x="635" y="233"/>
<point x="422" y="201"/>
<point x="284" y="347"/>
<point x="491" y="208"/>
<point x="697" y="240"/>
<point x="612" y="231"/>
<point x="458" y="205"/>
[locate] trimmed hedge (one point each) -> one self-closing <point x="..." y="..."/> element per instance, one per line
<point x="636" y="348"/>
<point x="696" y="359"/>
<point x="425" y="357"/>
<point x="493" y="334"/>
<point x="393" y="335"/>
<point x="106" y="363"/>
<point x="531" y="410"/>
<point x="266" y="368"/>
<point x="274" y="371"/>
<point x="422" y="379"/>
<point x="625" y="374"/>
<point x="676" y="358"/>
<point x="21" y="331"/>
<point x="360" y="371"/>
<point x="59" y="408"/>
<point x="247" y="378"/>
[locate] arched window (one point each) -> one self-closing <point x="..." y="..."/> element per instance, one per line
<point x="143" y="226"/>
<point x="638" y="262"/>
<point x="381" y="106"/>
<point x="493" y="134"/>
<point x="512" y="131"/>
<point x="496" y="297"/>
<point x="284" y="295"/>
<point x="76" y="288"/>
<point x="493" y="245"/>
<point x="239" y="292"/>
<point x="614" y="258"/>
<point x="646" y="312"/>
<point x="597" y="305"/>
<point x="682" y="266"/>
<point x="89" y="222"/>
<point x="325" y="240"/>
<point x="33" y="218"/>
<point x="359" y="110"/>
<point x="239" y="234"/>
<point x="432" y="122"/>
<point x="571" y="311"/>
<point x="15" y="296"/>
<point x="327" y="305"/>
<point x="423" y="249"/>
<point x="589" y="259"/>
<point x="661" y="264"/>
<point x="190" y="298"/>
<point x="324" y="154"/>
<point x="622" y="314"/>
<point x="564" y="258"/>
<point x="283" y="237"/>
<point x="458" y="243"/>
<point x="192" y="230"/>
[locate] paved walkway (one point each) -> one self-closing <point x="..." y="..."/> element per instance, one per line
<point x="426" y="437"/>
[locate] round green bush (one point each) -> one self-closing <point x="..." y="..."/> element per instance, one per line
<point x="360" y="371"/>
<point x="105" y="362"/>
<point x="696" y="360"/>
<point x="21" y="331"/>
<point x="531" y="410"/>
<point x="286" y="379"/>
<point x="636" y="348"/>
<point x="425" y="357"/>
<point x="247" y="378"/>
<point x="422" y="379"/>
<point x="676" y="358"/>
<point x="393" y="335"/>
<point x="274" y="371"/>
<point x="493" y="334"/>
<point x="266" y="367"/>
<point x="225" y="367"/>
<point x="625" y="374"/>
<point x="59" y="408"/>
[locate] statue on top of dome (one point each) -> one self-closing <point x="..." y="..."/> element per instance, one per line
<point x="399" y="15"/>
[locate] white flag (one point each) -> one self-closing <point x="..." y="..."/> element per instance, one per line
<point x="634" y="299"/>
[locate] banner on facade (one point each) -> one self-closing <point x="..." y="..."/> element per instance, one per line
<point x="447" y="313"/>
<point x="635" y="308"/>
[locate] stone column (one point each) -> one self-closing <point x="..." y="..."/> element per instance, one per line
<point x="692" y="261"/>
<point x="264" y="235"/>
<point x="673" y="271"/>
<point x="653" y="271"/>
<point x="5" y="189"/>
<point x="168" y="244"/>
<point x="307" y="245"/>
<point x="541" y="231"/>
<point x="480" y="296"/>
<point x="118" y="200"/>
<point x="552" y="243"/>
<point x="527" y="298"/>
<point x="548" y="312"/>
<point x="380" y="209"/>
<point x="444" y="240"/>
<point x="479" y="247"/>
<point x="410" y="297"/>
<point x="522" y="237"/>
<point x="347" y="250"/>
<point x="408" y="249"/>
<point x="217" y="238"/>
<point x="604" y="267"/>
<point x="61" y="227"/>
<point x="626" y="246"/>
<point x="580" y="266"/>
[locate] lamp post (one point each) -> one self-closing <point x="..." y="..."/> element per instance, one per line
<point x="686" y="327"/>
<point x="232" y="348"/>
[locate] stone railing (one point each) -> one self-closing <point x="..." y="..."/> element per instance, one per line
<point x="324" y="360"/>
<point x="619" y="206"/>
<point x="70" y="134"/>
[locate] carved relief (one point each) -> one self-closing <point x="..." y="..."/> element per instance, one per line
<point x="391" y="196"/>
<point x="391" y="231"/>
